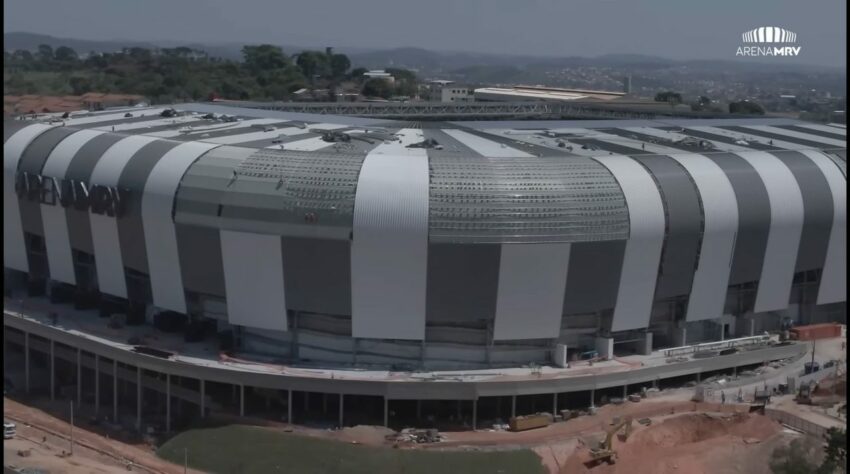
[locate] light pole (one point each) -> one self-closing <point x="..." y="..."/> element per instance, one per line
<point x="185" y="460"/>
<point x="72" y="427"/>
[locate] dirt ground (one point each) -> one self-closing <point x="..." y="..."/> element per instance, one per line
<point x="692" y="443"/>
<point x="47" y="436"/>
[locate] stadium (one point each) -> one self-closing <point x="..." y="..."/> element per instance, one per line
<point x="278" y="252"/>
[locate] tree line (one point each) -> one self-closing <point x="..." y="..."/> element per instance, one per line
<point x="185" y="74"/>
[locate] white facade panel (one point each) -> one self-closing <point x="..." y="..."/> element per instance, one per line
<point x="643" y="249"/>
<point x="107" y="247"/>
<point x="676" y="136"/>
<point x="794" y="134"/>
<point x="720" y="209"/>
<point x="530" y="298"/>
<point x="823" y="128"/>
<point x="253" y="280"/>
<point x="483" y="146"/>
<point x="57" y="241"/>
<point x="833" y="282"/>
<point x="786" y="227"/>
<point x="157" y="217"/>
<point x="748" y="137"/>
<point x="389" y="252"/>
<point x="106" y="117"/>
<point x="14" y="246"/>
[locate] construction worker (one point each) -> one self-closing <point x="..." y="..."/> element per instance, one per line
<point x="722" y="397"/>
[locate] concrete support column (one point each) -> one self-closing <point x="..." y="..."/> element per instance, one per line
<point x="735" y="371"/>
<point x="605" y="347"/>
<point x="289" y="406"/>
<point x="168" y="403"/>
<point x="203" y="397"/>
<point x="79" y="377"/>
<point x="115" y="391"/>
<point x="52" y="370"/>
<point x="625" y="391"/>
<point x="645" y="347"/>
<point x="386" y="411"/>
<point x="474" y="413"/>
<point x="699" y="377"/>
<point x="27" y="361"/>
<point x="752" y="327"/>
<point x="592" y="397"/>
<point x="554" y="404"/>
<point x="341" y="409"/>
<point x="513" y="406"/>
<point x="680" y="336"/>
<point x="559" y="356"/>
<point x="241" y="400"/>
<point x="96" y="384"/>
<point x="139" y="398"/>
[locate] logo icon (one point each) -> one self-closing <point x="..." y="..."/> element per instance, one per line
<point x="768" y="41"/>
<point x="769" y="34"/>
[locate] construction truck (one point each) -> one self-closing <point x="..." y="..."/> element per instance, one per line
<point x="605" y="451"/>
<point x="804" y="395"/>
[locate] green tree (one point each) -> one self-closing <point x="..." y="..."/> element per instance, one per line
<point x="745" y="107"/>
<point x="340" y="64"/>
<point x="264" y="57"/>
<point x="836" y="452"/>
<point x="80" y="85"/>
<point x="64" y="53"/>
<point x="45" y="52"/>
<point x="357" y="73"/>
<point x="794" y="458"/>
<point x="669" y="96"/>
<point x="313" y="64"/>
<point x="376" y="87"/>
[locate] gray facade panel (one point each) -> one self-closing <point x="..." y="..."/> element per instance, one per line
<point x="684" y="221"/>
<point x="593" y="277"/>
<point x="201" y="268"/>
<point x="130" y="228"/>
<point x="817" y="206"/>
<point x="32" y="161"/>
<point x="463" y="281"/>
<point x="317" y="274"/>
<point x="753" y="217"/>
<point x="79" y="228"/>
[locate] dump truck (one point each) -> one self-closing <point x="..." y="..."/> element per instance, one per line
<point x="605" y="451"/>
<point x="529" y="422"/>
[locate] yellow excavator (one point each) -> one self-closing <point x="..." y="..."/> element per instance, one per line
<point x="605" y="452"/>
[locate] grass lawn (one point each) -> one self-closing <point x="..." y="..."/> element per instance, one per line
<point x="241" y="449"/>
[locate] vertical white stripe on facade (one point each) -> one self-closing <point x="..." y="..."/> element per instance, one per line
<point x="104" y="229"/>
<point x="833" y="282"/>
<point x="720" y="210"/>
<point x="643" y="249"/>
<point x="530" y="298"/>
<point x="158" y="223"/>
<point x="748" y="138"/>
<point x="786" y="226"/>
<point x="14" y="245"/>
<point x="57" y="241"/>
<point x="389" y="251"/>
<point x="795" y="134"/>
<point x="71" y="122"/>
<point x="483" y="146"/>
<point x="823" y="128"/>
<point x="253" y="280"/>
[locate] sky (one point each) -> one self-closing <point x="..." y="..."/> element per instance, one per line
<point x="678" y="29"/>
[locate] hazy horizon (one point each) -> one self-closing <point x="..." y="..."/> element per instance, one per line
<point x="659" y="28"/>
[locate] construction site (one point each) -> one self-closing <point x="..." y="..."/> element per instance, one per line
<point x="726" y="421"/>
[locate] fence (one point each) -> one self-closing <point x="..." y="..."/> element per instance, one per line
<point x="796" y="422"/>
